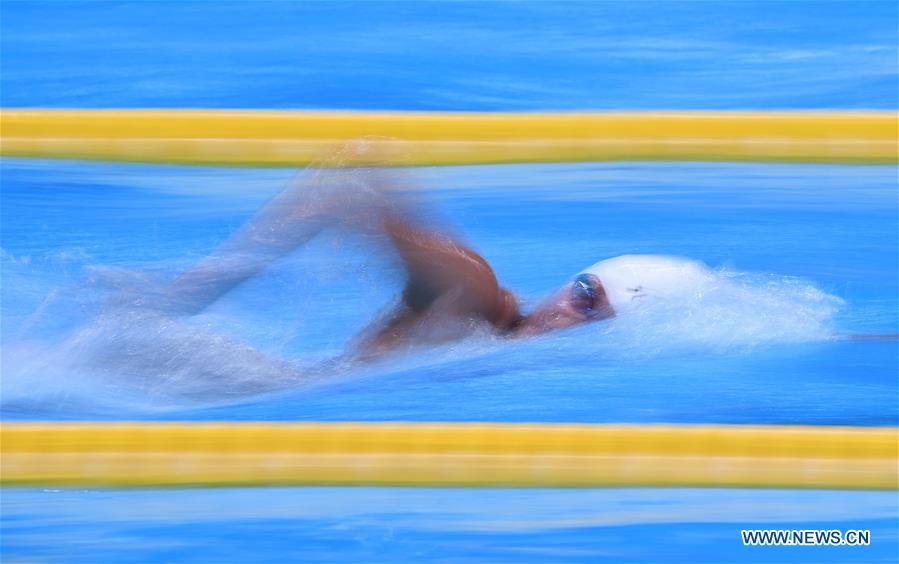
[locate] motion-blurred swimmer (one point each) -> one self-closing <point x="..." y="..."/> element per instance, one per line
<point x="450" y="289"/>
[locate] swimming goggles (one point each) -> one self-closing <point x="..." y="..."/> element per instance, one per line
<point x="583" y="297"/>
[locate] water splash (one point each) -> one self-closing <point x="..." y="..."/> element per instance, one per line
<point x="725" y="310"/>
<point x="75" y="353"/>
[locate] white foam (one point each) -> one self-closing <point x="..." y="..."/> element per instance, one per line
<point x="666" y="303"/>
<point x="629" y="279"/>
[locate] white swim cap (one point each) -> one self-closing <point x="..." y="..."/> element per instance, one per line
<point x="629" y="278"/>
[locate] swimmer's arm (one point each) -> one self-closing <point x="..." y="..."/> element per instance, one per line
<point x="290" y="219"/>
<point x="440" y="265"/>
<point x="312" y="202"/>
<point x="446" y="281"/>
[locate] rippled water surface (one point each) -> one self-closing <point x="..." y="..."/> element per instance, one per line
<point x="797" y="260"/>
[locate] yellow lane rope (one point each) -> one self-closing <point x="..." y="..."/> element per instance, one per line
<point x="446" y="454"/>
<point x="297" y="138"/>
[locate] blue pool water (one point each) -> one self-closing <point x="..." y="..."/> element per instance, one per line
<point x="798" y="257"/>
<point x="801" y="256"/>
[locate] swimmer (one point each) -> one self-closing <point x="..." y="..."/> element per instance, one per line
<point x="450" y="289"/>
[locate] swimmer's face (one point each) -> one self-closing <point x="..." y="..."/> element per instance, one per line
<point x="580" y="301"/>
